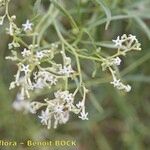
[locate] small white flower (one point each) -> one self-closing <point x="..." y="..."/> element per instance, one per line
<point x="115" y="82"/>
<point x="65" y="95"/>
<point x="80" y="104"/>
<point x="39" y="84"/>
<point x="83" y="116"/>
<point x="64" y="117"/>
<point x="66" y="70"/>
<point x="13" y="44"/>
<point x="58" y="108"/>
<point x="54" y="45"/>
<point x="45" y="116"/>
<point x="68" y="97"/>
<point x="119" y="85"/>
<point x="26" y="53"/>
<point x="25" y="68"/>
<point x="58" y="94"/>
<point x="53" y="80"/>
<point x="133" y="38"/>
<point x="47" y="77"/>
<point x="128" y="88"/>
<point x="39" y="55"/>
<point x="118" y="42"/>
<point x="34" y="106"/>
<point x="12" y="85"/>
<point x="117" y="61"/>
<point x="13" y="17"/>
<point x="50" y="78"/>
<point x="27" y="26"/>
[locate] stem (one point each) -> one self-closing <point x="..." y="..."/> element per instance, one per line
<point x="71" y="48"/>
<point x="7" y="11"/>
<point x="21" y="41"/>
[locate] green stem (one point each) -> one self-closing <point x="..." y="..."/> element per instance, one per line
<point x="71" y="48"/>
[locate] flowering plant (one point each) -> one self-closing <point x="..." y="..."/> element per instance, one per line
<point x="53" y="66"/>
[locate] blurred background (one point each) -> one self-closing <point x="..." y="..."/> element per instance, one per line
<point x="117" y="121"/>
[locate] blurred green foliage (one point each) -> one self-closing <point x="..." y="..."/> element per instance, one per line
<point x="117" y="121"/>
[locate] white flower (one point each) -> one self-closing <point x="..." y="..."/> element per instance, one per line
<point x="54" y="45"/>
<point x="117" y="61"/>
<point x="58" y="108"/>
<point x="27" y="26"/>
<point x="64" y="117"/>
<point x="130" y="42"/>
<point x="115" y="82"/>
<point x="68" y="97"/>
<point x="128" y="88"/>
<point x="65" y="95"/>
<point x="26" y="53"/>
<point x="12" y="85"/>
<point x="83" y="116"/>
<point x="34" y="106"/>
<point x="39" y="55"/>
<point x="45" y="116"/>
<point x="43" y="79"/>
<point x="119" y="85"/>
<point x="25" y="68"/>
<point x="66" y="70"/>
<point x="13" y="17"/>
<point x="118" y="42"/>
<point x="80" y="104"/>
<point x="53" y="80"/>
<point x="58" y="94"/>
<point x="47" y="77"/>
<point x="13" y="44"/>
<point x="39" y="84"/>
<point x="133" y="38"/>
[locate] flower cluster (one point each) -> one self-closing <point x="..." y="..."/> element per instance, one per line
<point x="31" y="77"/>
<point x="56" y="110"/>
<point x="119" y="85"/>
<point x="127" y="43"/>
<point x="41" y="69"/>
<point x="124" y="44"/>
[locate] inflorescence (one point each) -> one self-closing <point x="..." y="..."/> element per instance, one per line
<point x="38" y="71"/>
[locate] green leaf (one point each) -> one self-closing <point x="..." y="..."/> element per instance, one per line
<point x="107" y="12"/>
<point x="37" y="7"/>
<point x="143" y="25"/>
<point x="65" y="12"/>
